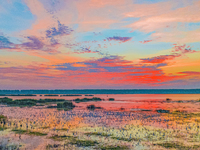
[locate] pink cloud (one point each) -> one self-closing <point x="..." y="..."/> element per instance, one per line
<point x="163" y="20"/>
<point x="145" y="41"/>
<point x="183" y="49"/>
<point x="159" y="59"/>
<point x="177" y="36"/>
<point x="177" y="52"/>
<point x="190" y="73"/>
<point x="111" y="71"/>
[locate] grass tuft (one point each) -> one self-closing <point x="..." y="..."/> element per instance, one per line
<point x="19" y="131"/>
<point x="114" y="147"/>
<point x="61" y="138"/>
<point x="84" y="143"/>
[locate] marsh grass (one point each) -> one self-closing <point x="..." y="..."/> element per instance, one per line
<point x="37" y="133"/>
<point x="51" y="95"/>
<point x="18" y="95"/>
<point x="78" y="100"/>
<point x="2" y="128"/>
<point x="178" y="146"/>
<point x="10" y="147"/>
<point x="111" y="147"/>
<point x="47" y="100"/>
<point x="98" y="134"/>
<point x="180" y="114"/>
<point x="22" y="103"/>
<point x="125" y="139"/>
<point x="45" y="127"/>
<point x="178" y="135"/>
<point x="111" y="99"/>
<point x="28" y="102"/>
<point x="162" y="111"/>
<point x="83" y="143"/>
<point x="63" y="137"/>
<point x="65" y="109"/>
<point x="5" y="100"/>
<point x="2" y="117"/>
<point x="63" y="129"/>
<point x="39" y="105"/>
<point x="67" y="105"/>
<point x="194" y="138"/>
<point x="184" y="118"/>
<point x="156" y="136"/>
<point x="54" y="146"/>
<point x="19" y="131"/>
<point x="93" y="107"/>
<point x="71" y="95"/>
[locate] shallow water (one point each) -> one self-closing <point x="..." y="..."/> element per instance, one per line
<point x="127" y="116"/>
<point x="118" y="96"/>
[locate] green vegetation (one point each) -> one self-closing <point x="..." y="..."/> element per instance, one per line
<point x="110" y="147"/>
<point x="179" y="101"/>
<point x="89" y="95"/>
<point x="3" y="120"/>
<point x="71" y="95"/>
<point x="37" y="133"/>
<point x="111" y="99"/>
<point x="122" y="108"/>
<point x="51" y="95"/>
<point x="74" y="140"/>
<point x="2" y="117"/>
<point x="67" y="105"/>
<point x="168" y="99"/>
<point x="21" y="102"/>
<point x="63" y="129"/>
<point x="93" y="107"/>
<point x="181" y="114"/>
<point x="10" y="147"/>
<point x="50" y="100"/>
<point x="78" y="100"/>
<point x="44" y="127"/>
<point x="5" y="100"/>
<point x="162" y="111"/>
<point x="146" y="110"/>
<point x="18" y="95"/>
<point x="98" y="134"/>
<point x="2" y="128"/>
<point x="84" y="143"/>
<point x="61" y="138"/>
<point x="39" y="105"/>
<point x="178" y="146"/>
<point x="19" y="131"/>
<point x="51" y="106"/>
<point x="125" y="139"/>
<point x="49" y="146"/>
<point x="28" y="102"/>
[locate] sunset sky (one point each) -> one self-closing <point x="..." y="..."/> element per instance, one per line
<point x="100" y="44"/>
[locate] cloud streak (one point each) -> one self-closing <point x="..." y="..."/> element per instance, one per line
<point x="60" y="31"/>
<point x="5" y="43"/>
<point x="177" y="52"/>
<point x="118" y="38"/>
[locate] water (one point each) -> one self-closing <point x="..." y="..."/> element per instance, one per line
<point x="139" y="119"/>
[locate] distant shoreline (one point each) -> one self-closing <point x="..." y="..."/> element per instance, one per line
<point x="104" y="91"/>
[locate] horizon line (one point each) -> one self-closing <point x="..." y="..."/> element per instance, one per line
<point x="102" y="89"/>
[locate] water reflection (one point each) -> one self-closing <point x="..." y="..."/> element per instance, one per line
<point x="145" y="121"/>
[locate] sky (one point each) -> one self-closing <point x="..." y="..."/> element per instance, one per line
<point x="99" y="44"/>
